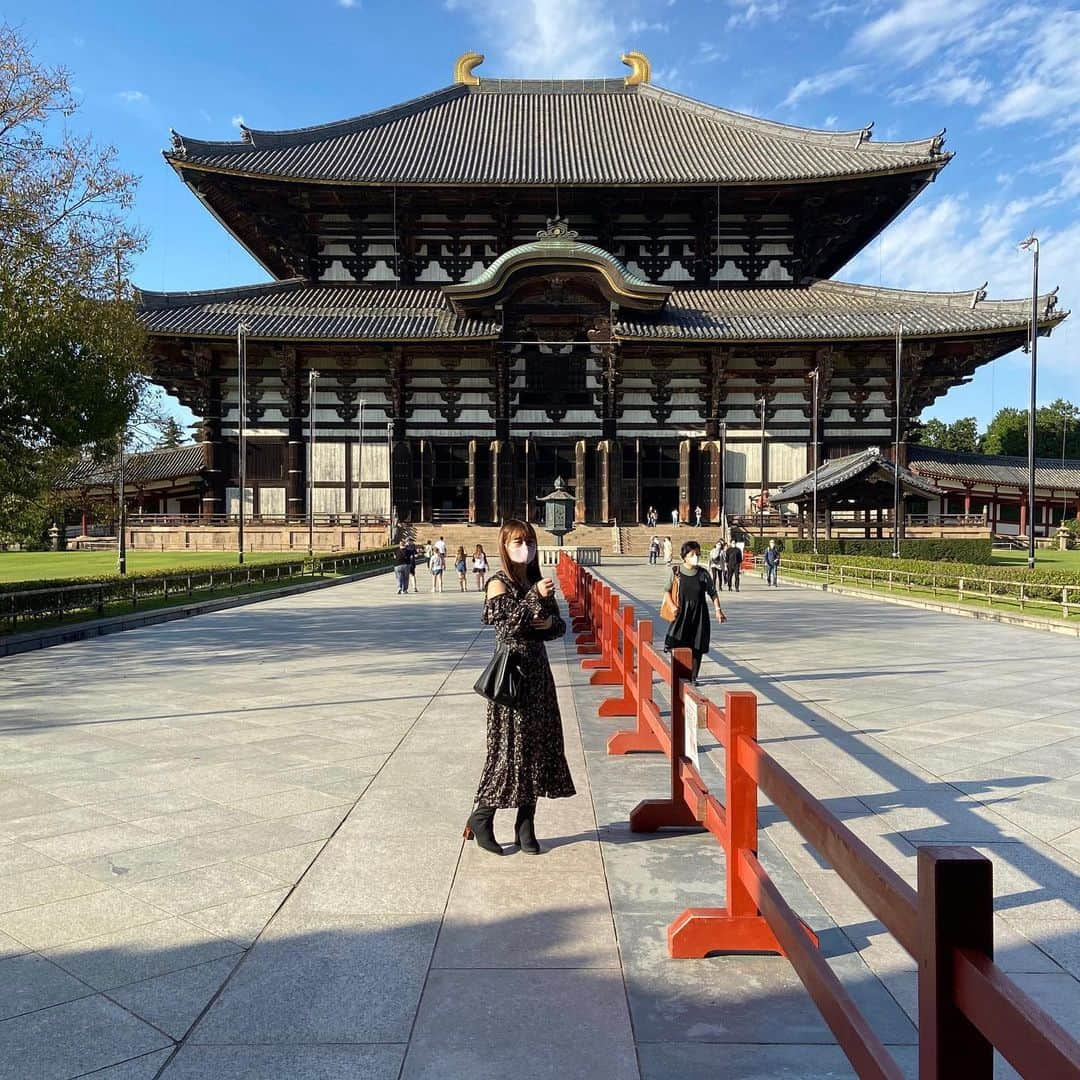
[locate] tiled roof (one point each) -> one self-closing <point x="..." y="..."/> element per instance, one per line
<point x="834" y="474"/>
<point x="297" y="310"/>
<point x="832" y="310"/>
<point x="145" y="467"/>
<point x="993" y="468"/>
<point x="582" y="131"/>
<point x="825" y="310"/>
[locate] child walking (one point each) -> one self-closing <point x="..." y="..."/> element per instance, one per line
<point x="462" y="567"/>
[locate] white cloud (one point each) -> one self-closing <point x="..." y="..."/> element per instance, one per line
<point x="831" y="121"/>
<point x="348" y="3"/>
<point x="237" y="121"/>
<point x="643" y="26"/>
<point x="708" y="52"/>
<point x="749" y="12"/>
<point x="571" y="39"/>
<point x="824" y="83"/>
<point x="949" y="88"/>
<point x="133" y="97"/>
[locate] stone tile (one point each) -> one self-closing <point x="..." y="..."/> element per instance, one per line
<point x="140" y="952"/>
<point x="173" y="1002"/>
<point x="30" y="982"/>
<point x="77" y="919"/>
<point x="10" y="947"/>
<point x="306" y="1062"/>
<point x="203" y="887"/>
<point x="144" y="1067"/>
<point x="400" y="812"/>
<point x="74" y="819"/>
<point x="153" y="861"/>
<point x="18" y="858"/>
<point x="288" y="864"/>
<point x="460" y="1010"/>
<point x="303" y="986"/>
<point x="290" y="803"/>
<point x="79" y="846"/>
<point x="240" y="921"/>
<point x="210" y="818"/>
<point x="35" y="887"/>
<point x="72" y="1039"/>
<point x="21" y="801"/>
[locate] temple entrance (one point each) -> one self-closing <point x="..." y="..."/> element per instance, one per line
<point x="554" y="460"/>
<point x="659" y="464"/>
<point x="450" y="482"/>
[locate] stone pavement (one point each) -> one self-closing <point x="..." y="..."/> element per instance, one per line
<point x="231" y="847"/>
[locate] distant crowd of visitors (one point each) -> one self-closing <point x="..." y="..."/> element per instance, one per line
<point x="435" y="554"/>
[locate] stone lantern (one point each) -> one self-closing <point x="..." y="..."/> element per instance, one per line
<point x="558" y="511"/>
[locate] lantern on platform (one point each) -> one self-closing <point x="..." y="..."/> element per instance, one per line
<point x="558" y="511"/>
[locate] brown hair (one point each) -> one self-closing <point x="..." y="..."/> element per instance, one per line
<point x="524" y="574"/>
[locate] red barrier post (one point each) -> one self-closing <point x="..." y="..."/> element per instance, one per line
<point x="956" y="910"/>
<point x="609" y="614"/>
<point x="588" y="643"/>
<point x="641" y="739"/>
<point x="622" y="662"/>
<point x="672" y="812"/>
<point x="738" y="927"/>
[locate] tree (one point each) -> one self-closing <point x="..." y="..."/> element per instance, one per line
<point x="172" y="435"/>
<point x="1007" y="433"/>
<point x="71" y="348"/>
<point x="962" y="435"/>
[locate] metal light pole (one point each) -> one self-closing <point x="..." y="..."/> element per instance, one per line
<point x="313" y="378"/>
<point x="896" y="447"/>
<point x="723" y="473"/>
<point x="241" y="363"/>
<point x="390" y="476"/>
<point x="814" y="376"/>
<point x="1033" y="243"/>
<point x="121" y="540"/>
<point x="360" y="478"/>
<point x="761" y="495"/>
<point x="1064" y="429"/>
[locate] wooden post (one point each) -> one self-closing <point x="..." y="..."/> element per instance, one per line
<point x="956" y="910"/>
<point x="641" y="739"/>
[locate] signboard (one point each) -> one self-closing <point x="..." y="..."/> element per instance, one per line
<point x="690" y="729"/>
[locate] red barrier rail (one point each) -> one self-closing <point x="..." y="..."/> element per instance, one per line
<point x="967" y="1005"/>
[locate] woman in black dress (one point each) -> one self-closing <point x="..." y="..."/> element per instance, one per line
<point x="525" y="756"/>
<point x="690" y="627"/>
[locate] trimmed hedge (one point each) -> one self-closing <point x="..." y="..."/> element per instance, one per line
<point x="973" y="551"/>
<point x="1005" y="580"/>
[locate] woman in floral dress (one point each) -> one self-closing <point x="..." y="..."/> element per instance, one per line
<point x="525" y="755"/>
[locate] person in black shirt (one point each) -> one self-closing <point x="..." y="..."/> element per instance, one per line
<point x="690" y="628"/>
<point x="733" y="562"/>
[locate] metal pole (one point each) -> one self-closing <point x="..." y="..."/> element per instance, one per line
<point x="121" y="540"/>
<point x="360" y="477"/>
<point x="1032" y="242"/>
<point x="241" y="363"/>
<point x="814" y="376"/>
<point x="1064" y="496"/>
<point x="390" y="476"/>
<point x="313" y="377"/>
<point x="896" y="447"/>
<point x="761" y="494"/>
<point x="723" y="472"/>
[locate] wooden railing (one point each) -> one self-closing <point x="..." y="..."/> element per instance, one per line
<point x="22" y="608"/>
<point x="1023" y="594"/>
<point x="968" y="1006"/>
<point x="135" y="520"/>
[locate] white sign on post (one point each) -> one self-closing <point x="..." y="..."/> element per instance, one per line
<point x="690" y="727"/>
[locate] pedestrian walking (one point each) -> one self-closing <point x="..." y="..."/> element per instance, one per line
<point x="461" y="565"/>
<point x="414" y="554"/>
<point x="772" y="563"/>
<point x="733" y="561"/>
<point x="440" y="547"/>
<point x="697" y="516"/>
<point x="667" y="550"/>
<point x="716" y="565"/>
<point x="526" y="759"/>
<point x="654" y="550"/>
<point x="480" y="567"/>
<point x="675" y="518"/>
<point x="690" y="589"/>
<point x="436" y="564"/>
<point x="429" y="547"/>
<point x="652" y="517"/>
<point x="402" y="564"/>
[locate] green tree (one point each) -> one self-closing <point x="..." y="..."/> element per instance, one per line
<point x="1007" y="433"/>
<point x="172" y="435"/>
<point x="71" y="348"/>
<point x="960" y="435"/>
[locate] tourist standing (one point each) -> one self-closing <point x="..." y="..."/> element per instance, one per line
<point x="436" y="564"/>
<point x="440" y="547"/>
<point x="654" y="550"/>
<point x="414" y="554"/>
<point x="526" y="760"/>
<point x="480" y="567"/>
<point x="402" y="564"/>
<point x="716" y="565"/>
<point x="733" y="562"/>
<point x="772" y="563"/>
<point x="667" y="550"/>
<point x="690" y="629"/>
<point x="429" y="547"/>
<point x="675" y="517"/>
<point x="462" y="567"/>
<point x="697" y="516"/>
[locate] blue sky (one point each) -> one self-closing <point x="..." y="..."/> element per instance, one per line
<point x="1003" y="78"/>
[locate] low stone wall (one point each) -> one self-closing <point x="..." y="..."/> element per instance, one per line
<point x="290" y="537"/>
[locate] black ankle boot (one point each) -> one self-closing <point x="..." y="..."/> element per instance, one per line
<point x="481" y="825"/>
<point x="524" y="833"/>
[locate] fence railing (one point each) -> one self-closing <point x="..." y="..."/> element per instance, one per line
<point x="22" y="608"/>
<point x="135" y="520"/>
<point x="1022" y="594"/>
<point x="968" y="1006"/>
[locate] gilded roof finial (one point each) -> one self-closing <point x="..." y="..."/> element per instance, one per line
<point x="463" y="69"/>
<point x="640" y="68"/>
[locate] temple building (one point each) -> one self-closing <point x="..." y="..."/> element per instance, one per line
<point x="512" y="280"/>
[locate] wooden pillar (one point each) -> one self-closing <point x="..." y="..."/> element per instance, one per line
<point x="686" y="457"/>
<point x="580" y="481"/>
<point x="866" y="523"/>
<point x="527" y="481"/>
<point x="880" y="524"/>
<point x="710" y="473"/>
<point x="426" y="465"/>
<point x="502" y="480"/>
<point x="828" y="520"/>
<point x="1023" y="517"/>
<point x="609" y="466"/>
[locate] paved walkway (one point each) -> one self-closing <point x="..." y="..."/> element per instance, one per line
<point x="230" y="847"/>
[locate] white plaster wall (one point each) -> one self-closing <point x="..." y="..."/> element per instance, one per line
<point x="328" y="462"/>
<point x="272" y="501"/>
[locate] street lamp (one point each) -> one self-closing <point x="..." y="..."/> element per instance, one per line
<point x="896" y="447"/>
<point x="814" y="375"/>
<point x="723" y="474"/>
<point x="360" y="478"/>
<point x="241" y="363"/>
<point x="313" y="378"/>
<point x="121" y="540"/>
<point x="390" y="476"/>
<point x="1032" y="242"/>
<point x="761" y="495"/>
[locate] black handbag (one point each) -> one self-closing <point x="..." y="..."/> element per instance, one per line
<point x="501" y="681"/>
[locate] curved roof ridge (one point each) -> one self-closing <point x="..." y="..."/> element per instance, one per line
<point x="164" y="301"/>
<point x="969" y="297"/>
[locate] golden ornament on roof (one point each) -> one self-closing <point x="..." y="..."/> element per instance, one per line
<point x="640" y="68"/>
<point x="463" y="69"/>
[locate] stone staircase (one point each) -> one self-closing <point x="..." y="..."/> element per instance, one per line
<point x="635" y="538"/>
<point x="468" y="536"/>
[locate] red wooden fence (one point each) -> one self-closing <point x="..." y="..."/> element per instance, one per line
<point x="967" y="1005"/>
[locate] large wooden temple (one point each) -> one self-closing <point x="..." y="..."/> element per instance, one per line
<point x="596" y="279"/>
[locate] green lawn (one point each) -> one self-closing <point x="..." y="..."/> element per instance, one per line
<point x="51" y="565"/>
<point x="1050" y="558"/>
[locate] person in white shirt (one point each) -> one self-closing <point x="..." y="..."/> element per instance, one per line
<point x="440" y="547"/>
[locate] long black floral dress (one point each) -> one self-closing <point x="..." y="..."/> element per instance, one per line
<point x="526" y="759"/>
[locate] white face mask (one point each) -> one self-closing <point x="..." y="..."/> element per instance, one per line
<point x="692" y="559"/>
<point x="522" y="553"/>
